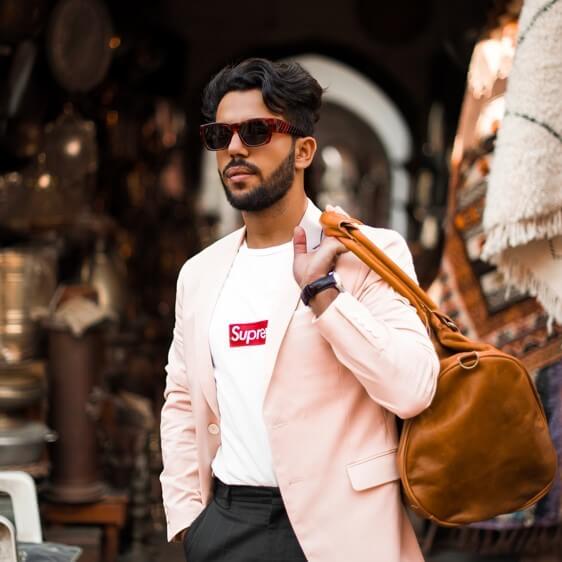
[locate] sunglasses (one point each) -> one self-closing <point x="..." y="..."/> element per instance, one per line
<point x="253" y="132"/>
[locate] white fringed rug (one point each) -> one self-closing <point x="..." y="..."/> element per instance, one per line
<point x="523" y="213"/>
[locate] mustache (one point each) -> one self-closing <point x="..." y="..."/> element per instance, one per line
<point x="239" y="162"/>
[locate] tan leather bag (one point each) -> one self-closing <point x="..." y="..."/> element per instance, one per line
<point x="483" y="447"/>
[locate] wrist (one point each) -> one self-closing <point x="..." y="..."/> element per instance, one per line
<point x="320" y="302"/>
<point x="311" y="277"/>
<point x="329" y="282"/>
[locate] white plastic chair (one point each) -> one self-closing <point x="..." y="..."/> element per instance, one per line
<point x="8" y="551"/>
<point x="21" y="489"/>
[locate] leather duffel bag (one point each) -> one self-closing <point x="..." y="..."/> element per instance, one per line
<point x="482" y="448"/>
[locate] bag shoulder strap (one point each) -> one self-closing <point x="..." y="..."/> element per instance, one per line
<point x="347" y="230"/>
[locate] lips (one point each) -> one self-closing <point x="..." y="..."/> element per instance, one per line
<point x="238" y="171"/>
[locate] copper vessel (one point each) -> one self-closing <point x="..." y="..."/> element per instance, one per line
<point x="27" y="283"/>
<point x="73" y="371"/>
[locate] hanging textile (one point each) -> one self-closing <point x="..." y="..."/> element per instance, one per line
<point x="523" y="211"/>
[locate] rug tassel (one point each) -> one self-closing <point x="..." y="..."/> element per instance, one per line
<point x="502" y="237"/>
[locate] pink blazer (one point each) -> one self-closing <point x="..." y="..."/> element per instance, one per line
<point x="335" y="385"/>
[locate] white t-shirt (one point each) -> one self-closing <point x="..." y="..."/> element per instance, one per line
<point x="238" y="343"/>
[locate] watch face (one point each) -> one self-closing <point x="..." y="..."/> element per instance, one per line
<point x="337" y="279"/>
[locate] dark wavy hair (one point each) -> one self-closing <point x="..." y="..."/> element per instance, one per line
<point x="287" y="89"/>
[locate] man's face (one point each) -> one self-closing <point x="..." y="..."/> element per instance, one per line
<point x="253" y="178"/>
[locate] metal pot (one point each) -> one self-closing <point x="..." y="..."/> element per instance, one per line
<point x="24" y="444"/>
<point x="21" y="385"/>
<point x="27" y="284"/>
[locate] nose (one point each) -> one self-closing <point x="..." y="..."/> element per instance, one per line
<point x="237" y="147"/>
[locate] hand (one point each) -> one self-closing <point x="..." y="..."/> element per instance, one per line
<point x="308" y="267"/>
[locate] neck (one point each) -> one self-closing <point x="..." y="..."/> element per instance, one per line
<point x="275" y="225"/>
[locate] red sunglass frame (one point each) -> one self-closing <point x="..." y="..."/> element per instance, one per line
<point x="273" y="126"/>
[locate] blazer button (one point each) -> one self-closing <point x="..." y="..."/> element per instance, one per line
<point x="213" y="429"/>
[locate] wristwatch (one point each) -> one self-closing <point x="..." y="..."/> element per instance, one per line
<point x="312" y="289"/>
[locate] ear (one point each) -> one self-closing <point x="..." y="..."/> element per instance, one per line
<point x="305" y="149"/>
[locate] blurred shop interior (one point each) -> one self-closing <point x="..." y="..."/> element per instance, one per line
<point x="105" y="191"/>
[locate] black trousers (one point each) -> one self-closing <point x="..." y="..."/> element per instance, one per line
<point x="243" y="524"/>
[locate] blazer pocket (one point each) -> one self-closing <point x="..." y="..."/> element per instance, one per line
<point x="373" y="471"/>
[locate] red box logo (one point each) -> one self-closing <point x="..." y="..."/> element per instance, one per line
<point x="252" y="333"/>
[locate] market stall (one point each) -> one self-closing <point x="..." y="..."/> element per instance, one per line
<point x="480" y="295"/>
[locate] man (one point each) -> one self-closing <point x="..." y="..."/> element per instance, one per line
<point x="278" y="429"/>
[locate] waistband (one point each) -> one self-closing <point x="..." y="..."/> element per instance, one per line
<point x="248" y="493"/>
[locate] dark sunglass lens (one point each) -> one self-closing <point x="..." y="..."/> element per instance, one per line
<point x="217" y="136"/>
<point x="254" y="132"/>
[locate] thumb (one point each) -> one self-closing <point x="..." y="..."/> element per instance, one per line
<point x="299" y="240"/>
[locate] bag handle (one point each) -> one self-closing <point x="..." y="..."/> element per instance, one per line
<point x="347" y="230"/>
<point x="443" y="329"/>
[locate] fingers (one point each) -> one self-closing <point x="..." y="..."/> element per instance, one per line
<point x="299" y="240"/>
<point x="329" y="247"/>
<point x="332" y="246"/>
<point x="339" y="247"/>
<point x="336" y="209"/>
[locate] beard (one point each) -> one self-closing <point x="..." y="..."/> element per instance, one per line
<point x="268" y="192"/>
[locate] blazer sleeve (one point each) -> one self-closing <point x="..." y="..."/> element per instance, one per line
<point x="378" y="336"/>
<point x="181" y="490"/>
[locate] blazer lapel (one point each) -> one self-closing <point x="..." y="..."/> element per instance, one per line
<point x="214" y="272"/>
<point x="280" y="319"/>
<point x="290" y="296"/>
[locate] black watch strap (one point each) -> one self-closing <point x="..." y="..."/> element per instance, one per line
<point x="317" y="286"/>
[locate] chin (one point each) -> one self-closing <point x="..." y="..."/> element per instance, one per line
<point x="240" y="192"/>
<point x="238" y="196"/>
<point x="237" y="186"/>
